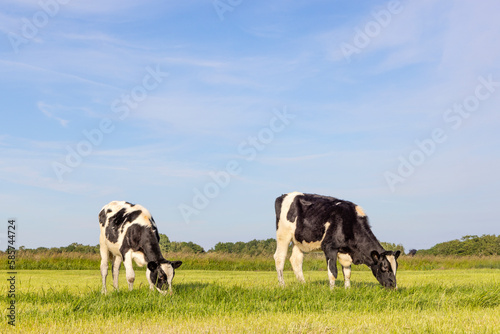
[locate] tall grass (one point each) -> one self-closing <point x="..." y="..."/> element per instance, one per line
<point x="432" y="262"/>
<point x="218" y="261"/>
<point x="53" y="261"/>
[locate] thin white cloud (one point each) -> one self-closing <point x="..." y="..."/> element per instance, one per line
<point x="117" y="9"/>
<point x="27" y="163"/>
<point x="8" y="24"/>
<point x="191" y="61"/>
<point x="30" y="163"/>
<point x="469" y="43"/>
<point x="47" y="73"/>
<point x="45" y="109"/>
<point x="294" y="159"/>
<point x="87" y="7"/>
<point x="272" y="31"/>
<point x="414" y="32"/>
<point x="186" y="112"/>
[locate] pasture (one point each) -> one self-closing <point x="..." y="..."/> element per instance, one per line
<point x="209" y="301"/>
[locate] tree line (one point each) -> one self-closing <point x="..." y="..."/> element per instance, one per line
<point x="168" y="246"/>
<point x="467" y="245"/>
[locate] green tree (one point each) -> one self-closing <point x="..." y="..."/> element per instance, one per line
<point x="168" y="246"/>
<point x="253" y="247"/>
<point x="164" y="243"/>
<point x="393" y="247"/>
<point x="468" y="245"/>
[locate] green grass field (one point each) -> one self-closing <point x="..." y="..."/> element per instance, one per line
<point x="218" y="261"/>
<point x="437" y="301"/>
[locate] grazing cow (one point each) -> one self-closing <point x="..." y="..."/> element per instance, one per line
<point x="128" y="232"/>
<point x="339" y="228"/>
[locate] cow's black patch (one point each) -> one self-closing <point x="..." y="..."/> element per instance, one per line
<point x="312" y="213"/>
<point x="140" y="238"/>
<point x="277" y="208"/>
<point x="331" y="258"/>
<point x="132" y="205"/>
<point x="292" y="213"/>
<point x="117" y="223"/>
<point x="345" y="215"/>
<point x="130" y="217"/>
<point x="102" y="217"/>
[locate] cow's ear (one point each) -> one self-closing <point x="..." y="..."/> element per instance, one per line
<point x="176" y="264"/>
<point x="375" y="256"/>
<point x="396" y="254"/>
<point x="152" y="266"/>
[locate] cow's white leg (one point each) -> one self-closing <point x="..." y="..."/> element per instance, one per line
<point x="282" y="241"/>
<point x="117" y="262"/>
<point x="346" y="261"/>
<point x="296" y="260"/>
<point x="347" y="276"/>
<point x="104" y="265"/>
<point x="129" y="270"/>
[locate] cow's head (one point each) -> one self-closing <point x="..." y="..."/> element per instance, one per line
<point x="384" y="267"/>
<point x="161" y="274"/>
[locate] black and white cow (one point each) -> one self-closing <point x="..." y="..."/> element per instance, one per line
<point x="339" y="228"/>
<point x="128" y="232"/>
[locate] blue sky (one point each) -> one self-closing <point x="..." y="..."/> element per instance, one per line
<point x="204" y="112"/>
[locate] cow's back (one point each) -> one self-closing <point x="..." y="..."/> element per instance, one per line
<point x="315" y="217"/>
<point x="117" y="216"/>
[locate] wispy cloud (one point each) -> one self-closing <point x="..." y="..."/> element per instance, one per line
<point x="190" y="61"/>
<point x="413" y="33"/>
<point x="282" y="161"/>
<point x="47" y="74"/>
<point x="51" y="112"/>
<point x="86" y="7"/>
<point x="27" y="163"/>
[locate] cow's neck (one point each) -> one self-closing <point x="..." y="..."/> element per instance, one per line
<point x="362" y="253"/>
<point x="152" y="252"/>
